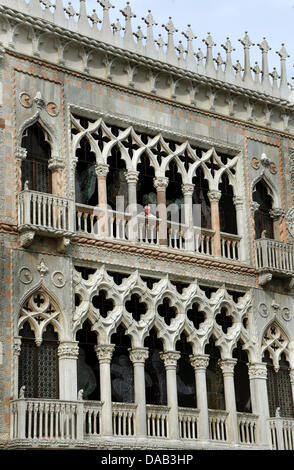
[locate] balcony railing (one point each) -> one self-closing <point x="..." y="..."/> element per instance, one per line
<point x="42" y="212"/>
<point x="282" y="433"/>
<point x="218" y="425"/>
<point x="230" y="246"/>
<point x="247" y="425"/>
<point x="274" y="256"/>
<point x="124" y="419"/>
<point x="188" y="423"/>
<point x="157" y="421"/>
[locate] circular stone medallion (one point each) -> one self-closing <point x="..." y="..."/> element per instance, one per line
<point x="25" y="100"/>
<point x="263" y="310"/>
<point x="286" y="314"/>
<point x="25" y="275"/>
<point x="58" y="279"/>
<point x="52" y="109"/>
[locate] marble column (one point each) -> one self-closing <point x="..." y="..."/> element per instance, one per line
<point x="227" y="367"/>
<point x="132" y="177"/>
<point x="56" y="166"/>
<point x="259" y="399"/>
<point x="188" y="190"/>
<point x="200" y="363"/>
<point x="276" y="214"/>
<point x="160" y="184"/>
<point x="240" y="216"/>
<point x="101" y="172"/>
<point x="68" y="355"/>
<point x="170" y="359"/>
<point x="214" y="197"/>
<point x="16" y="354"/>
<point x="291" y="375"/>
<point x="138" y="357"/>
<point x="104" y="354"/>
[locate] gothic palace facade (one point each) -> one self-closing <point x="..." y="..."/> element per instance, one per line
<point x="146" y="236"/>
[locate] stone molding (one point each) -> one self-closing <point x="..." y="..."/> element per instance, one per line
<point x="132" y="176"/>
<point x="227" y="366"/>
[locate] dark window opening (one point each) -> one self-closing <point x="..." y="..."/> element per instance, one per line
<point x="214" y="378"/>
<point x="146" y="193"/>
<point x="118" y="277"/>
<point x="185" y="375"/>
<point x="227" y="210"/>
<point x="236" y="295"/>
<point x="263" y="220"/>
<point x="196" y="316"/>
<point x="88" y="365"/>
<point x="180" y="286"/>
<point x="241" y="380"/>
<point x="150" y="281"/>
<point x="85" y="272"/>
<point x="122" y="374"/>
<point x="279" y="387"/>
<point x="201" y="201"/>
<point x="224" y="320"/>
<point x="166" y="311"/>
<point x="136" y="307"/>
<point x="86" y="186"/>
<point x="38" y="365"/>
<point x="155" y="377"/>
<point x="34" y="168"/>
<point x="102" y="303"/>
<point x="117" y="186"/>
<point x="174" y="194"/>
<point x="208" y="290"/>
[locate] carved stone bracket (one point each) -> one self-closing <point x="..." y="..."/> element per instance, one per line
<point x="27" y="238"/>
<point x="62" y="244"/>
<point x="264" y="278"/>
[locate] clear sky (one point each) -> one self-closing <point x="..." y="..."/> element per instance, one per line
<point x="273" y="19"/>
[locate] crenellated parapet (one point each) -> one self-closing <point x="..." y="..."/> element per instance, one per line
<point x="95" y="31"/>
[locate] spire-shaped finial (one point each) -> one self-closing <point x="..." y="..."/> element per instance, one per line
<point x="265" y="48"/>
<point x="106" y="29"/>
<point x="229" y="73"/>
<point x="181" y="50"/>
<point x="219" y="63"/>
<point x="209" y="67"/>
<point x="149" y="20"/>
<point x="48" y="4"/>
<point x="257" y="71"/>
<point x="275" y="76"/>
<point x="171" y="30"/>
<point x="139" y="35"/>
<point x="283" y="82"/>
<point x="189" y="35"/>
<point x="70" y="11"/>
<point x="117" y="28"/>
<point x="94" y="18"/>
<point x="128" y="14"/>
<point x="247" y="43"/>
<point x="238" y="68"/>
<point x="200" y="57"/>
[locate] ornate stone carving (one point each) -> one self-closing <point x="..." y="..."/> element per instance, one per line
<point x="257" y="371"/>
<point x="139" y="354"/>
<point x="17" y="346"/>
<point x="264" y="278"/>
<point x="25" y="275"/>
<point x="170" y="358"/>
<point x="42" y="268"/>
<point x="39" y="101"/>
<point x="214" y="195"/>
<point x="291" y="375"/>
<point x="199" y="361"/>
<point x="25" y="100"/>
<point x="104" y="352"/>
<point x="132" y="176"/>
<point x="52" y="109"/>
<point x="160" y="182"/>
<point x="290" y="221"/>
<point x="227" y="366"/>
<point x="275" y="342"/>
<point x="62" y="244"/>
<point x="26" y="238"/>
<point x="102" y="169"/>
<point x="58" y="279"/>
<point x="22" y="392"/>
<point x="276" y="213"/>
<point x="286" y="314"/>
<point x="68" y="350"/>
<point x="188" y="189"/>
<point x="263" y="310"/>
<point x="21" y="153"/>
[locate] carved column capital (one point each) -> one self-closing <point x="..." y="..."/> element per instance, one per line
<point x="56" y="163"/>
<point x="214" y="195"/>
<point x="160" y="183"/>
<point x="188" y="189"/>
<point x="101" y="169"/>
<point x="170" y="359"/>
<point x="21" y="153"/>
<point x="104" y="352"/>
<point x="17" y="345"/>
<point x="291" y="375"/>
<point x="276" y="213"/>
<point x="132" y="176"/>
<point x="254" y="206"/>
<point x="139" y="355"/>
<point x="238" y="201"/>
<point x="199" y="361"/>
<point x="68" y="350"/>
<point x="227" y="366"/>
<point x="257" y="371"/>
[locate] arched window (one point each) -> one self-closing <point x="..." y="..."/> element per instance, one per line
<point x="146" y="193"/>
<point x="155" y="377"/>
<point x="227" y="210"/>
<point x="214" y="378"/>
<point x="279" y="387"/>
<point x="122" y="372"/>
<point x="86" y="187"/>
<point x="185" y="375"/>
<point x="263" y="220"/>
<point x="88" y="365"/>
<point x="174" y="194"/>
<point x="38" y="365"/>
<point x="241" y="380"/>
<point x="34" y="168"/>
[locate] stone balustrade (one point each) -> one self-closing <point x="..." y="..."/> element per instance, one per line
<point x="282" y="433"/>
<point x="274" y="256"/>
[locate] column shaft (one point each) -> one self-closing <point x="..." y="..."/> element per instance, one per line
<point x="188" y="208"/>
<point x="104" y="354"/>
<point x="68" y="354"/>
<point x="101" y="172"/>
<point x="161" y="184"/>
<point x="200" y="363"/>
<point x="170" y="359"/>
<point x="214" y="197"/>
<point x="132" y="179"/>
<point x="258" y="388"/>
<point x="240" y="226"/>
<point x="138" y="357"/>
<point x="227" y="366"/>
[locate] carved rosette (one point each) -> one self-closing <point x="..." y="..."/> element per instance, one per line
<point x="200" y="361"/>
<point x="160" y="183"/>
<point x="227" y="366"/>
<point x="257" y="371"/>
<point x="101" y="169"/>
<point x="188" y="189"/>
<point x="214" y="195"/>
<point x="132" y="176"/>
<point x="104" y="352"/>
<point x="170" y="359"/>
<point x="68" y="350"/>
<point x="139" y="355"/>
